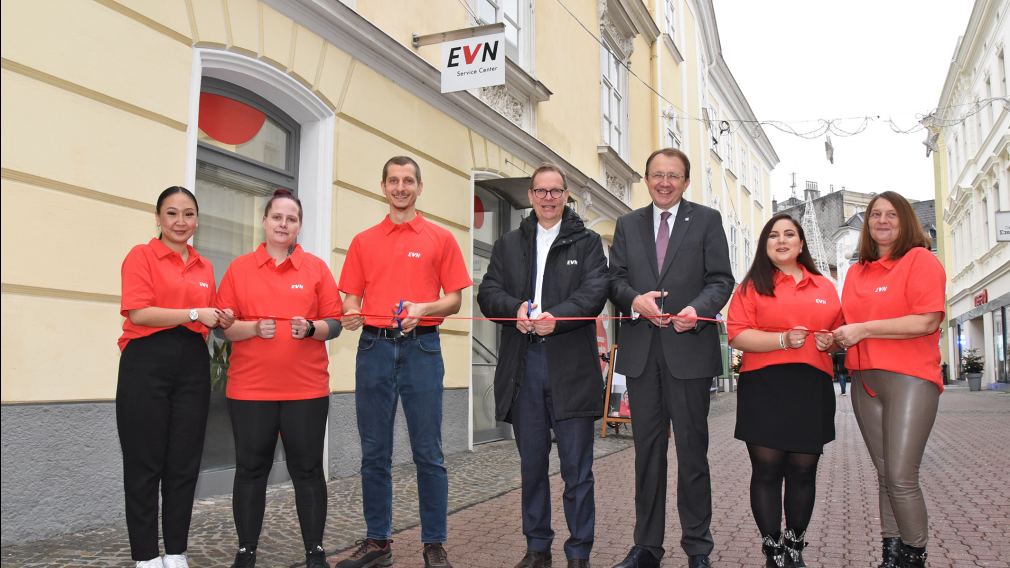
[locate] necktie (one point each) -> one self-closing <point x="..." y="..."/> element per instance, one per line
<point x="662" y="238"/>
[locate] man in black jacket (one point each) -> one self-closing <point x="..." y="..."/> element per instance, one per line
<point x="548" y="375"/>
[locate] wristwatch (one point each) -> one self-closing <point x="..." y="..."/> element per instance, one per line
<point x="311" y="330"/>
<point x="193" y="314"/>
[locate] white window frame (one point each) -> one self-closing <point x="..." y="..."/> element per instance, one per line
<point x="524" y="27"/>
<point x="613" y="119"/>
<point x="669" y="18"/>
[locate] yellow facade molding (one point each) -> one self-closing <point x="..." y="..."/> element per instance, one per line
<point x="396" y="141"/>
<point x="145" y="21"/>
<point x="39" y="291"/>
<point x="83" y="91"/>
<point x="63" y="187"/>
<point x="459" y="332"/>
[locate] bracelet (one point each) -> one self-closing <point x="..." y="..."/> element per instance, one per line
<point x="782" y="341"/>
<point x="311" y="329"/>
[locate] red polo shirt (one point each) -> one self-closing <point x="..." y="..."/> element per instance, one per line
<point x="812" y="302"/>
<point x="885" y="289"/>
<point x="412" y="261"/>
<point x="156" y="276"/>
<point x="281" y="368"/>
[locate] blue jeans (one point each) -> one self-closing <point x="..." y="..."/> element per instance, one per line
<point x="388" y="370"/>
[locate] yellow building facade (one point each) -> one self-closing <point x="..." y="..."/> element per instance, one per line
<point x="104" y="103"/>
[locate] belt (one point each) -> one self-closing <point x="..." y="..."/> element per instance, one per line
<point x="394" y="334"/>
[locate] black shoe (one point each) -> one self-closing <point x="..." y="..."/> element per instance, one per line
<point x="435" y="556"/>
<point x="369" y="554"/>
<point x="699" y="561"/>
<point x="775" y="553"/>
<point x="892" y="552"/>
<point x="535" y="559"/>
<point x="912" y="557"/>
<point x="245" y="558"/>
<point x="794" y="545"/>
<point x="578" y="563"/>
<point x="639" y="557"/>
<point x="316" y="558"/>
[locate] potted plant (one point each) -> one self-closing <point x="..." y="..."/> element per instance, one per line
<point x="971" y="366"/>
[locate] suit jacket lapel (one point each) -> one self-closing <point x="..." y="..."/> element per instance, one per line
<point x="680" y="227"/>
<point x="648" y="233"/>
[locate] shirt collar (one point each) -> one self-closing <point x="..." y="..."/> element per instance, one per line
<point x="552" y="232"/>
<point x="161" y="250"/>
<point x="656" y="212"/>
<point x="886" y="262"/>
<point x="295" y="258"/>
<point x="415" y="224"/>
<point x="807" y="279"/>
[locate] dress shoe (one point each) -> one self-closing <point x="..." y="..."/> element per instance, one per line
<point x="699" y="561"/>
<point x="535" y="559"/>
<point x="639" y="557"/>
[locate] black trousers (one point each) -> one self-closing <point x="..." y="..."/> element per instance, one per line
<point x="533" y="420"/>
<point x="657" y="399"/>
<point x="301" y="425"/>
<point x="161" y="414"/>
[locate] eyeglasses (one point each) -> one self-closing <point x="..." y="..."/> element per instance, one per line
<point x="660" y="176"/>
<point x="542" y="192"/>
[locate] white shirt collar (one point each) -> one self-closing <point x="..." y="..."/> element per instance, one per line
<point x="552" y="232"/>
<point x="656" y="211"/>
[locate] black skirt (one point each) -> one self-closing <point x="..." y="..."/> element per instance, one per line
<point x="789" y="407"/>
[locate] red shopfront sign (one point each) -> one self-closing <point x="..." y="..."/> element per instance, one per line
<point x="982" y="297"/>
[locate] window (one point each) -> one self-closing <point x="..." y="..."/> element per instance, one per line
<point x="613" y="94"/>
<point x="733" y="252"/>
<point x="517" y="17"/>
<point x="668" y="14"/>
<point x="246" y="148"/>
<point x="672" y="131"/>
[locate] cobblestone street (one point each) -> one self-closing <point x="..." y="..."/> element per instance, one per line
<point x="964" y="476"/>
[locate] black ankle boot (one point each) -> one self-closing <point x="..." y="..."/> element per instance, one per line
<point x="892" y="552"/>
<point x="775" y="554"/>
<point x="794" y="546"/>
<point x="912" y="557"/>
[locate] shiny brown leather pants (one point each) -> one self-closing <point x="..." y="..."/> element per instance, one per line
<point x="895" y="425"/>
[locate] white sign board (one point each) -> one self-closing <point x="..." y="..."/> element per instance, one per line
<point x="1003" y="226"/>
<point x="473" y="62"/>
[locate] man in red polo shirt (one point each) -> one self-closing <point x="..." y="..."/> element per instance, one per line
<point x="400" y="277"/>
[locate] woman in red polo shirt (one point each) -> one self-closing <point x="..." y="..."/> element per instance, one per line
<point x="893" y="301"/>
<point x="164" y="378"/>
<point x="287" y="304"/>
<point x="785" y="400"/>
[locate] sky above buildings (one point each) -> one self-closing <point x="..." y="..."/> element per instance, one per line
<point x="800" y="61"/>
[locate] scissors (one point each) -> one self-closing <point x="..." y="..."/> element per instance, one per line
<point x="396" y="316"/>
<point x="529" y="312"/>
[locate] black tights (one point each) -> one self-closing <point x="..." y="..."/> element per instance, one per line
<point x="770" y="467"/>
<point x="301" y="425"/>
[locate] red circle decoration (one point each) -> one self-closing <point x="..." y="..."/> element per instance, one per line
<point x="478" y="212"/>
<point x="229" y="121"/>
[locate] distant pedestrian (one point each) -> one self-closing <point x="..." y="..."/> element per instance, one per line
<point x="278" y="377"/>
<point x="548" y="375"/>
<point x="893" y="302"/>
<point x="164" y="379"/>
<point x="785" y="398"/>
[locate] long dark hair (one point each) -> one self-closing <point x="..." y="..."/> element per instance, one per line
<point x="910" y="233"/>
<point x="281" y="193"/>
<point x="170" y="191"/>
<point x="762" y="270"/>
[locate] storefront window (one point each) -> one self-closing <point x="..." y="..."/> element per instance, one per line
<point x="1000" y="343"/>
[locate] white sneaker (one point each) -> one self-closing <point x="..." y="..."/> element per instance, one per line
<point x="153" y="563"/>
<point x="176" y="561"/>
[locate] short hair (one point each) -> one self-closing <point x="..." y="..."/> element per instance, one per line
<point x="281" y="193"/>
<point x="910" y="233"/>
<point x="671" y="153"/>
<point x="401" y="161"/>
<point x="549" y="167"/>
<point x="170" y="191"/>
<point x="762" y="270"/>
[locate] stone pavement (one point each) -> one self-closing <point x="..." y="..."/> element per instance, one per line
<point x="964" y="476"/>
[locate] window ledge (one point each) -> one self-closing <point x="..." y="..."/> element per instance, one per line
<point x="517" y="78"/>
<point x="674" y="50"/>
<point x="617" y="175"/>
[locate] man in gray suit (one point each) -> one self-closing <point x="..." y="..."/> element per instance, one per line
<point x="670" y="265"/>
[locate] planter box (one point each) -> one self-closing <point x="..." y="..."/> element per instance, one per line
<point x="974" y="381"/>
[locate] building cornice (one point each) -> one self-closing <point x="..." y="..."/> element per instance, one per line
<point x="349" y="31"/>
